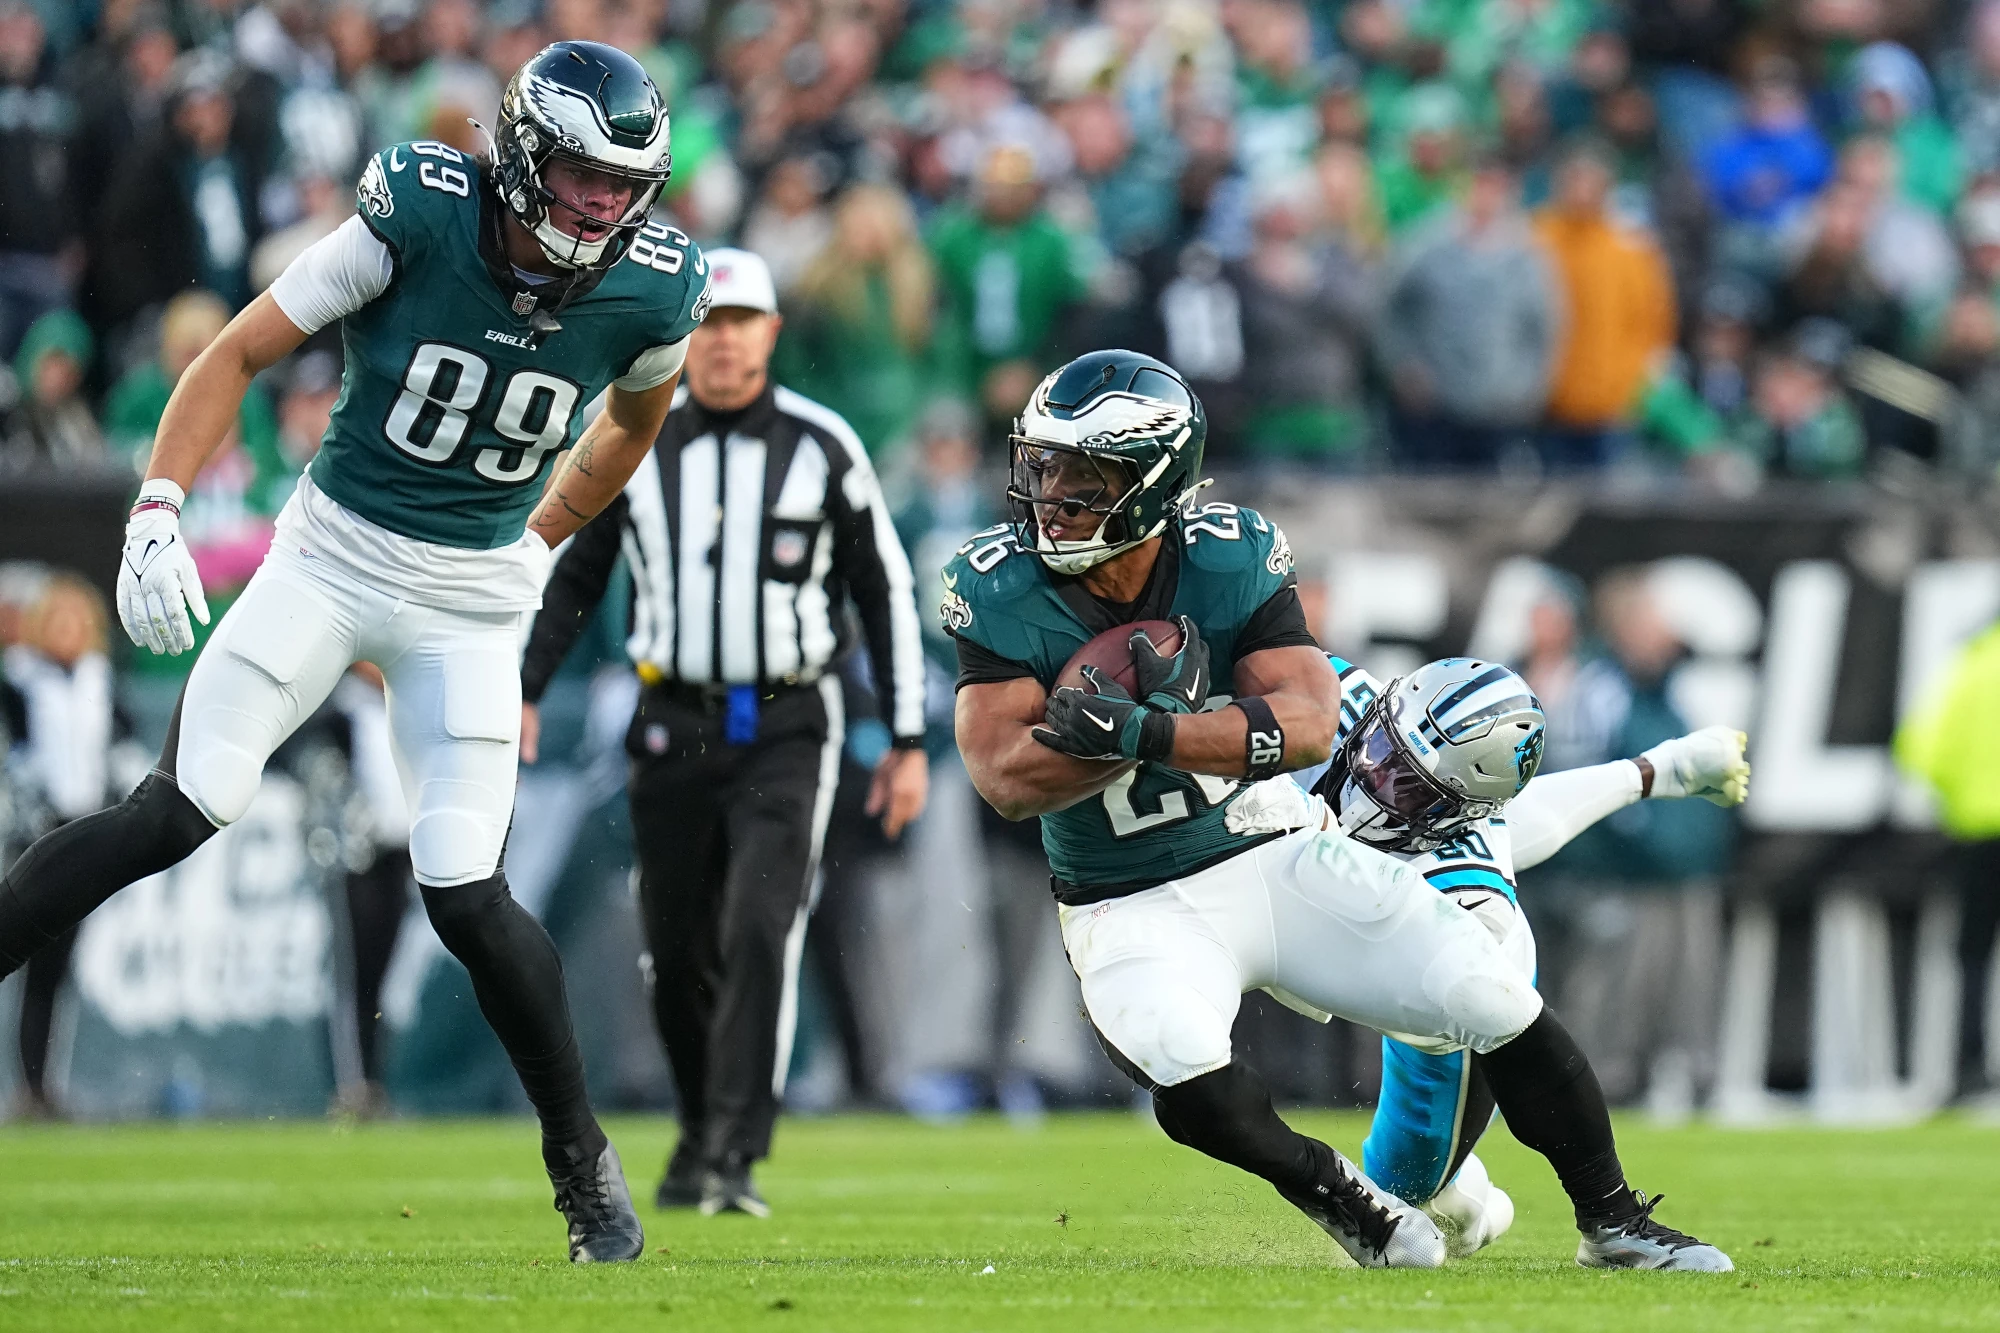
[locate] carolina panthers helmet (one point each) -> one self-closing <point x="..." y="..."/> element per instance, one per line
<point x="593" y="105"/>
<point x="1440" y="748"/>
<point x="1114" y="436"/>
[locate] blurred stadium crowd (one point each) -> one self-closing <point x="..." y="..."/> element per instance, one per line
<point x="1742" y="239"/>
<point x="1699" y="243"/>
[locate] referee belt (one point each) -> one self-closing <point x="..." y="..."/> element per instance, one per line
<point x="707" y="696"/>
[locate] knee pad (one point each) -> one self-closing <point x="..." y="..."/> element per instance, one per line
<point x="1171" y="1034"/>
<point x="459" y="831"/>
<point x="1485" y="999"/>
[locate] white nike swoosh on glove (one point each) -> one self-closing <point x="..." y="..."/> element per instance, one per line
<point x="1103" y="722"/>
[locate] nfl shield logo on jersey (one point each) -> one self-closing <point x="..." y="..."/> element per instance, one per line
<point x="788" y="547"/>
<point x="524" y="304"/>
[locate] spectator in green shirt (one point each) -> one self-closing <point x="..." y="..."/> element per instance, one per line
<point x="1800" y="423"/>
<point x="1009" y="274"/>
<point x="1425" y="168"/>
<point x="863" y="311"/>
<point x="227" y="520"/>
<point x="138" y="400"/>
<point x="1893" y="98"/>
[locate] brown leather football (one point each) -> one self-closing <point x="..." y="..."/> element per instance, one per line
<point x="1111" y="653"/>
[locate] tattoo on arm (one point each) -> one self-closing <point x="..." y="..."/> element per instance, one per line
<point x="585" y="452"/>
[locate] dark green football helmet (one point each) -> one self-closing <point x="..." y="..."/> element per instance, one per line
<point x="594" y="106"/>
<point x="1104" y="455"/>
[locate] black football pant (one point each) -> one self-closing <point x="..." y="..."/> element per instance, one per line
<point x="376" y="898"/>
<point x="516" y="973"/>
<point x="728" y="838"/>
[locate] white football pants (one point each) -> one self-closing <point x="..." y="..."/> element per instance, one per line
<point x="454" y="697"/>
<point x="1322" y="922"/>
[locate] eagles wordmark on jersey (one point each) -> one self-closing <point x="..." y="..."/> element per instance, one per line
<point x="458" y="389"/>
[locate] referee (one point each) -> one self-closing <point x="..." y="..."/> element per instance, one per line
<point x="747" y="529"/>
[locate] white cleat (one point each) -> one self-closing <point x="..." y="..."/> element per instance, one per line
<point x="1472" y="1211"/>
<point x="1640" y="1242"/>
<point x="1374" y="1227"/>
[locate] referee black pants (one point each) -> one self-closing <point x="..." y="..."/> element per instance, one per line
<point x="728" y="839"/>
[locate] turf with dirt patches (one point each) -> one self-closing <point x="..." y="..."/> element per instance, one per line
<point x="1090" y="1222"/>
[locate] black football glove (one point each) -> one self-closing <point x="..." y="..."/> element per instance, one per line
<point x="1105" y="723"/>
<point x="1177" y="684"/>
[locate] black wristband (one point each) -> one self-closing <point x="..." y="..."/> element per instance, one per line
<point x="1263" y="740"/>
<point x="1156" y="736"/>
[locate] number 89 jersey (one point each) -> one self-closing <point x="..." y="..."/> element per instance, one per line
<point x="1227" y="569"/>
<point x="452" y="405"/>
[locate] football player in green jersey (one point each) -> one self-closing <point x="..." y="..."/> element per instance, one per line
<point x="485" y="303"/>
<point x="1167" y="916"/>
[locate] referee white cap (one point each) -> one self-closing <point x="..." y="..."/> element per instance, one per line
<point x="739" y="278"/>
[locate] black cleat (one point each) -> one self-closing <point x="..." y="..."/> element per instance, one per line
<point x="603" y="1226"/>
<point x="681" y="1186"/>
<point x="1640" y="1242"/>
<point x="729" y="1189"/>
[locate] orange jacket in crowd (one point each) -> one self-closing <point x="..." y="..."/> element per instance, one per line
<point x="1619" y="302"/>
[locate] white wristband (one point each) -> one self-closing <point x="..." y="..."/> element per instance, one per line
<point x="161" y="488"/>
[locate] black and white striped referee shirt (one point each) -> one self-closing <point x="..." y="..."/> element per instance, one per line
<point x="746" y="533"/>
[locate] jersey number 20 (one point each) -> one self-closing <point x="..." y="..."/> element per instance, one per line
<point x="442" y="387"/>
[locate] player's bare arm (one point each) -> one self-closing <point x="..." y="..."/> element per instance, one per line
<point x="1019" y="778"/>
<point x="206" y="401"/>
<point x="610" y="449"/>
<point x="1304" y="696"/>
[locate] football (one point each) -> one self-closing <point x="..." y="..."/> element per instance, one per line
<point x="1111" y="653"/>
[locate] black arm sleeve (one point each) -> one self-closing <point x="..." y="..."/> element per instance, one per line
<point x="573" y="592"/>
<point x="871" y="560"/>
<point x="983" y="666"/>
<point x="1279" y="623"/>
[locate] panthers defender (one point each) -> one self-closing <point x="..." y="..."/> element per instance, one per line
<point x="485" y="302"/>
<point x="1166" y="913"/>
<point x="1439" y="770"/>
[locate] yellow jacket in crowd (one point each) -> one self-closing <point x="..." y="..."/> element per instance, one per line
<point x="1619" y="302"/>
<point x="1951" y="740"/>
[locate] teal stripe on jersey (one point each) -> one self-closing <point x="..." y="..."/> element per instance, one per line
<point x="1469" y="877"/>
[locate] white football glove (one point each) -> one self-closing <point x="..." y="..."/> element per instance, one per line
<point x="1275" y="805"/>
<point x="157" y="582"/>
<point x="1708" y="763"/>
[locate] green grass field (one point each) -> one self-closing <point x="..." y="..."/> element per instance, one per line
<point x="1091" y="1222"/>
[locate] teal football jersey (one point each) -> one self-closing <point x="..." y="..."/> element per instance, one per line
<point x="1155" y="823"/>
<point x="451" y="406"/>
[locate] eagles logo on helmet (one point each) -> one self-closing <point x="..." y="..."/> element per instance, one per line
<point x="595" y="106"/>
<point x="1115" y="436"/>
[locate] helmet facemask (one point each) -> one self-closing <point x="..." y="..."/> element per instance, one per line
<point x="576" y="198"/>
<point x="1056" y="490"/>
<point x="1388" y="799"/>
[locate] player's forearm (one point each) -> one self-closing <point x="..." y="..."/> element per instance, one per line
<point x="1555" y="807"/>
<point x="1021" y="779"/>
<point x="1214" y="743"/>
<point x="589" y="478"/>
<point x="209" y="396"/>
